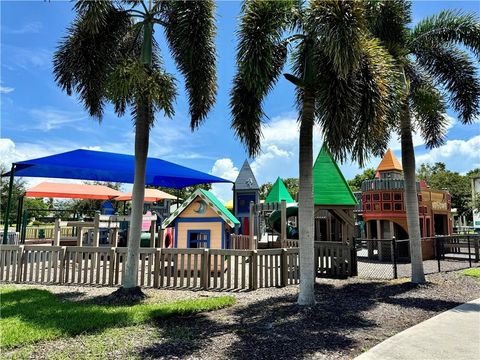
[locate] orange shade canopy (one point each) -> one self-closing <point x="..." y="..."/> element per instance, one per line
<point x="151" y="195"/>
<point x="72" y="191"/>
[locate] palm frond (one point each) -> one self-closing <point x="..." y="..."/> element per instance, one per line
<point x="94" y="13"/>
<point x="84" y="59"/>
<point x="338" y="27"/>
<point x="337" y="100"/>
<point x="261" y="55"/>
<point x="428" y="108"/>
<point x="379" y="90"/>
<point x="190" y="31"/>
<point x="454" y="70"/>
<point x="355" y="113"/>
<point x="387" y="21"/>
<point x="447" y="27"/>
<point x="131" y="78"/>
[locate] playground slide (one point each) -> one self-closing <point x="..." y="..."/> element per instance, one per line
<point x="275" y="222"/>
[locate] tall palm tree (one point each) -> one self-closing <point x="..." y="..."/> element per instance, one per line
<point x="432" y="58"/>
<point x="341" y="76"/>
<point x="110" y="56"/>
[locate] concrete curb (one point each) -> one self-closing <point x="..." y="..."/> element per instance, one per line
<point x="453" y="334"/>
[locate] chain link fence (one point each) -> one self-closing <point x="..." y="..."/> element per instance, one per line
<point x="390" y="258"/>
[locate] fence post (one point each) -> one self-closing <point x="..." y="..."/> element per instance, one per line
<point x="205" y="270"/>
<point x="18" y="275"/>
<point x="353" y="258"/>
<point x="476" y="243"/>
<point x="111" y="270"/>
<point x="253" y="271"/>
<point x="394" y="257"/>
<point x="156" y="267"/>
<point x="251" y="226"/>
<point x="61" y="274"/>
<point x="469" y="252"/>
<point x="284" y="268"/>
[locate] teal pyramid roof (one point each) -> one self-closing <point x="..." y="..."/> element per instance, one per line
<point x="279" y="192"/>
<point x="329" y="184"/>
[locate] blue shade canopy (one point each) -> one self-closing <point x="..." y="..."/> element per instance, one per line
<point x="105" y="166"/>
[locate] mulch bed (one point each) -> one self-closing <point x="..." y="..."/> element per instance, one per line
<point x="350" y="316"/>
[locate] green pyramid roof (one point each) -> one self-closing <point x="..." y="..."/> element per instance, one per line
<point x="279" y="192"/>
<point x="329" y="185"/>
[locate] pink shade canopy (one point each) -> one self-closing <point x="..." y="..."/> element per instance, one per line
<point x="151" y="195"/>
<point x="72" y="191"/>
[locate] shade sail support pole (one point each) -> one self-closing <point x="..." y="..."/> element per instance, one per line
<point x="9" y="204"/>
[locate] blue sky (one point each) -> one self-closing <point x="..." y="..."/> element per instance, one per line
<point x="38" y="119"/>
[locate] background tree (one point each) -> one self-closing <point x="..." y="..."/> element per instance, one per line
<point x="36" y="207"/>
<point x="436" y="70"/>
<point x="185" y="192"/>
<point x="342" y="78"/>
<point x="356" y="183"/>
<point x="110" y="55"/>
<point x="459" y="186"/>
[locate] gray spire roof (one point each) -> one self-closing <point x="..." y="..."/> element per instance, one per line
<point x="246" y="180"/>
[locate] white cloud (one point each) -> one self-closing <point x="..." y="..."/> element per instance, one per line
<point x="225" y="169"/>
<point x="29" y="28"/>
<point x="29" y="59"/>
<point x="458" y="155"/>
<point x="49" y="118"/>
<point x="6" y="89"/>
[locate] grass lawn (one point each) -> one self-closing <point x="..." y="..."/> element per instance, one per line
<point x="32" y="315"/>
<point x="474" y="272"/>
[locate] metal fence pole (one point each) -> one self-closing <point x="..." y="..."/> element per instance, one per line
<point x="437" y="246"/>
<point x="469" y="253"/>
<point x="353" y="258"/>
<point x="394" y="256"/>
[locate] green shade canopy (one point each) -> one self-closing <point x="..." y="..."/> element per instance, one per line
<point x="329" y="185"/>
<point x="279" y="192"/>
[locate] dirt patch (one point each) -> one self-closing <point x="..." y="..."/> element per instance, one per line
<point x="350" y="316"/>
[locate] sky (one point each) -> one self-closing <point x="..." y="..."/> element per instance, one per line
<point x="39" y="119"/>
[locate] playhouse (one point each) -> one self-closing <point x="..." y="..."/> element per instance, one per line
<point x="383" y="207"/>
<point x="202" y="221"/>
<point x="334" y="200"/>
<point x="334" y="204"/>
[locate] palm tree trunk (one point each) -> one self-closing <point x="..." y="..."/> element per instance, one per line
<point x="142" y="132"/>
<point x="305" y="202"/>
<point x="411" y="197"/>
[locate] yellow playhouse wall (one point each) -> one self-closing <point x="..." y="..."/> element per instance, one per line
<point x="190" y="211"/>
<point x="215" y="233"/>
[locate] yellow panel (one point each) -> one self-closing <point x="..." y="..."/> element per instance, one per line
<point x="215" y="233"/>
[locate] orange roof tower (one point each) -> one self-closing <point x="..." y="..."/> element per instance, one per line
<point x="389" y="163"/>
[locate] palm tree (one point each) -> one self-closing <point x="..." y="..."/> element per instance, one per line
<point x="110" y="55"/>
<point x="432" y="58"/>
<point x="341" y="76"/>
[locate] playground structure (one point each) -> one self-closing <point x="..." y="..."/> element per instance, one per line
<point x="202" y="221"/>
<point x="103" y="229"/>
<point x="274" y="224"/>
<point x="384" y="215"/>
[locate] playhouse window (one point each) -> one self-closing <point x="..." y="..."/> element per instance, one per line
<point x="198" y="239"/>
